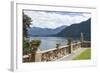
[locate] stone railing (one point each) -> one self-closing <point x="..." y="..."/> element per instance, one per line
<point x="86" y="44"/>
<point x="56" y="53"/>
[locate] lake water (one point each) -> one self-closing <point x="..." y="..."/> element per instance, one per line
<point x="50" y="42"/>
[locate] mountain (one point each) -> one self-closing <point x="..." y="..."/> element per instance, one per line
<point x="37" y="31"/>
<point x="75" y="29"/>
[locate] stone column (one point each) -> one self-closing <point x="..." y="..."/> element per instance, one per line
<point x="35" y="55"/>
<point x="70" y="45"/>
<point x="70" y="48"/>
<point x="81" y="39"/>
<point x="38" y="55"/>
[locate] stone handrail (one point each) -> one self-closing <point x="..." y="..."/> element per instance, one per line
<point x="56" y="53"/>
<point x="86" y="44"/>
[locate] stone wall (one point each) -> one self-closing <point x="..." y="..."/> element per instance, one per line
<point x="86" y="44"/>
<point x="56" y="53"/>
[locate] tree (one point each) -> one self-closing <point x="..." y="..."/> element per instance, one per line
<point x="26" y="24"/>
<point x="26" y="47"/>
<point x="29" y="47"/>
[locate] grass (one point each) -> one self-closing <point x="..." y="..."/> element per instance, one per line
<point x="84" y="55"/>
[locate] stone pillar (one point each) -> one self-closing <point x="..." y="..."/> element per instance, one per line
<point x="70" y="46"/>
<point x="81" y="39"/>
<point x="36" y="56"/>
<point x="33" y="57"/>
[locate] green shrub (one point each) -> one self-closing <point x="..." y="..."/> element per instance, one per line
<point x="26" y="47"/>
<point x="35" y="44"/>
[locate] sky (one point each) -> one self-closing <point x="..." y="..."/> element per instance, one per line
<point x="51" y="19"/>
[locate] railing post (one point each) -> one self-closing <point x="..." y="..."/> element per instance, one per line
<point x="82" y="39"/>
<point x="36" y="56"/>
<point x="33" y="57"/>
<point x="70" y="48"/>
<point x="70" y="45"/>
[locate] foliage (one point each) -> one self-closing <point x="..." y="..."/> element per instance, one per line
<point x="69" y="41"/>
<point x="84" y="55"/>
<point x="35" y="43"/>
<point x="57" y="45"/>
<point x="26" y="24"/>
<point x="26" y="47"/>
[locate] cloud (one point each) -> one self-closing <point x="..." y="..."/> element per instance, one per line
<point x="47" y="19"/>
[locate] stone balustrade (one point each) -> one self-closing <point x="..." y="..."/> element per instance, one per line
<point x="56" y="53"/>
<point x="86" y="44"/>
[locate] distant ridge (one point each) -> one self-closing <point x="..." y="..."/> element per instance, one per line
<point x="37" y="31"/>
<point x="75" y="29"/>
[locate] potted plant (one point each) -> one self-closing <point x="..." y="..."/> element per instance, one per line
<point x="34" y="45"/>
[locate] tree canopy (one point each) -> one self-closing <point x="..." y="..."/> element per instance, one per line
<point x="26" y="24"/>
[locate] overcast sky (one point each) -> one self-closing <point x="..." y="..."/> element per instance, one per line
<point x="48" y="19"/>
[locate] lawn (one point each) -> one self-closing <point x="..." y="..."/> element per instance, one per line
<point x="84" y="55"/>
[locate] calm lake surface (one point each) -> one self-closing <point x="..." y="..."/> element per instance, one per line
<point x="50" y="42"/>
